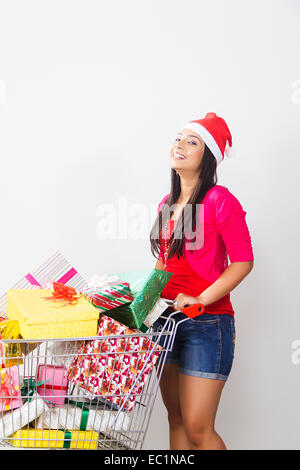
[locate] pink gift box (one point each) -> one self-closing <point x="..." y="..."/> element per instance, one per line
<point x="55" y="388"/>
<point x="10" y="394"/>
<point x="109" y="367"/>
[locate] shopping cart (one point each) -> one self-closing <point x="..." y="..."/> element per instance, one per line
<point x="58" y="414"/>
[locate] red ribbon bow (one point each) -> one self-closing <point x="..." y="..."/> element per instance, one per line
<point x="64" y="293"/>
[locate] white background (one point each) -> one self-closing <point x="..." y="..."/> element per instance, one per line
<point x="92" y="94"/>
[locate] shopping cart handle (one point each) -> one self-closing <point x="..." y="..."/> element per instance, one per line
<point x="193" y="310"/>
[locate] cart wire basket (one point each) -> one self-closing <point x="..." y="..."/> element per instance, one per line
<point x="45" y="402"/>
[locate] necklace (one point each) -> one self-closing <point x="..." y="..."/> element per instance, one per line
<point x="167" y="245"/>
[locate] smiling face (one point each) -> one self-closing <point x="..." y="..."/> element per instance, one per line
<point x="187" y="151"/>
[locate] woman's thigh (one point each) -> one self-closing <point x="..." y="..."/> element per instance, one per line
<point x="198" y="367"/>
<point x="199" y="400"/>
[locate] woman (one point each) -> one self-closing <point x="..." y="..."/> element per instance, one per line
<point x="194" y="245"/>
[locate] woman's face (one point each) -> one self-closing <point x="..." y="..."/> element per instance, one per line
<point x="189" y="145"/>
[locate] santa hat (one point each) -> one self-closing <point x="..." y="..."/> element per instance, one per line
<point x="215" y="133"/>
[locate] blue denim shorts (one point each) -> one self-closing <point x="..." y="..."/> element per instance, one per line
<point x="203" y="346"/>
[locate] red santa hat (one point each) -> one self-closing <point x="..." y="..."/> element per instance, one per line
<point x="215" y="133"/>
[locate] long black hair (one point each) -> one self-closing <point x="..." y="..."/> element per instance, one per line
<point x="207" y="179"/>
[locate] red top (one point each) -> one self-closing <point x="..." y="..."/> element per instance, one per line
<point x="221" y="232"/>
<point x="185" y="280"/>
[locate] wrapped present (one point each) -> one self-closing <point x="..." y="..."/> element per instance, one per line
<point x="56" y="268"/>
<point x="63" y="352"/>
<point x="93" y="401"/>
<point x="83" y="416"/>
<point x="54" y="383"/>
<point x="11" y="421"/>
<point x="159" y="308"/>
<point x="54" y="438"/>
<point x="110" y="296"/>
<point x="29" y="389"/>
<point x="146" y="293"/>
<point x="10" y="353"/>
<point x="10" y="394"/>
<point x="110" y="367"/>
<point x="43" y="313"/>
<point x="136" y="279"/>
<point x="97" y="282"/>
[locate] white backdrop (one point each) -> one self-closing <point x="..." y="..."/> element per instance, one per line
<point x="91" y="95"/>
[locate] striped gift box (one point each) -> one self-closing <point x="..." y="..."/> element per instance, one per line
<point x="56" y="268"/>
<point x="110" y="296"/>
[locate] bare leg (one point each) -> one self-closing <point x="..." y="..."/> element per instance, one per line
<point x="199" y="400"/>
<point x="169" y="387"/>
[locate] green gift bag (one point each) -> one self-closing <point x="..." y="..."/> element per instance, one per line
<point x="146" y="287"/>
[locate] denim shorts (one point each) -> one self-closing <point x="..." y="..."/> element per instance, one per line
<point x="203" y="346"/>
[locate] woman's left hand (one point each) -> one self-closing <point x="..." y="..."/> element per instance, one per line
<point x="183" y="300"/>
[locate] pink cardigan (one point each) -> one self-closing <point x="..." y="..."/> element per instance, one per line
<point x="225" y="234"/>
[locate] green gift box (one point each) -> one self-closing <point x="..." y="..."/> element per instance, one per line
<point x="146" y="287"/>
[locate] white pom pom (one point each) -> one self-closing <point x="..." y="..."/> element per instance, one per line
<point x="229" y="152"/>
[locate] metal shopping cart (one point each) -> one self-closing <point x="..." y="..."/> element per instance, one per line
<point x="40" y="408"/>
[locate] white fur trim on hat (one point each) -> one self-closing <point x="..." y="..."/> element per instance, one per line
<point x="207" y="137"/>
<point x="229" y="152"/>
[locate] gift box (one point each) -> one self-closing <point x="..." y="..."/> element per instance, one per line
<point x="109" y="288"/>
<point x="63" y="352"/>
<point x="146" y="292"/>
<point x="10" y="394"/>
<point x="110" y="296"/>
<point x="11" y="421"/>
<point x="109" y="367"/>
<point x="41" y="315"/>
<point x="54" y="383"/>
<point x="56" y="268"/>
<point x="91" y="400"/>
<point x="10" y="353"/>
<point x="83" y="416"/>
<point x="56" y="439"/>
<point x="159" y="308"/>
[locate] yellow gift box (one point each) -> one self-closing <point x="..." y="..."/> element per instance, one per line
<point x="55" y="439"/>
<point x="42" y="317"/>
<point x="10" y="353"/>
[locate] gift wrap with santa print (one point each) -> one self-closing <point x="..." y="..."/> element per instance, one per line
<point x="109" y="366"/>
<point x="41" y="317"/>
